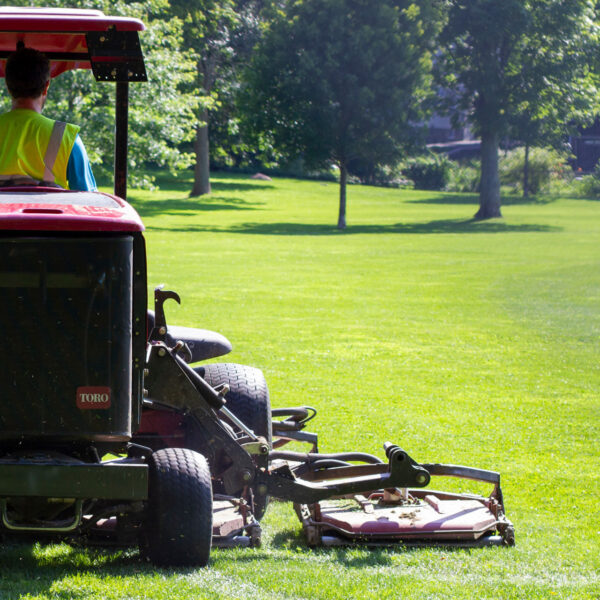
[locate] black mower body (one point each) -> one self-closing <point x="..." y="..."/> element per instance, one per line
<point x="73" y="311"/>
<point x="67" y="312"/>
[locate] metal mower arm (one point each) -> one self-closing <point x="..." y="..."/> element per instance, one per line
<point x="401" y="471"/>
<point x="171" y="382"/>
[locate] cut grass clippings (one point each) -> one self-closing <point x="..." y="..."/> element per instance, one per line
<point x="465" y="342"/>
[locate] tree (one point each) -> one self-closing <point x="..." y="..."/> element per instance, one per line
<point x="557" y="92"/>
<point x="503" y="61"/>
<point x="208" y="27"/>
<point x="228" y="147"/>
<point x="336" y="81"/>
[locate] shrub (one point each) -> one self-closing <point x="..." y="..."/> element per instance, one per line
<point x="464" y="177"/>
<point x="587" y="186"/>
<point x="428" y="172"/>
<point x="544" y="166"/>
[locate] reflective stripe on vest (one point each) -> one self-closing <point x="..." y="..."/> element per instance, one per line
<point x="56" y="138"/>
<point x="33" y="145"/>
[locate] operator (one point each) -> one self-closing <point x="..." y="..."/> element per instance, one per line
<point x="34" y="148"/>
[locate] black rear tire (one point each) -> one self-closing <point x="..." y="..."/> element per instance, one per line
<point x="178" y="527"/>
<point x="248" y="399"/>
<point x="248" y="396"/>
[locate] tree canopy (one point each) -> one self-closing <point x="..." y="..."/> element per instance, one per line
<point x="517" y="66"/>
<point x="208" y="26"/>
<point x="339" y="80"/>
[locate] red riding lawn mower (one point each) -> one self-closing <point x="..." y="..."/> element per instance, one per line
<point x="107" y="434"/>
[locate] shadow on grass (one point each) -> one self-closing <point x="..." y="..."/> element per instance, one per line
<point x="432" y="227"/>
<point x="239" y="186"/>
<point x="19" y="560"/>
<point x="191" y="205"/>
<point x="25" y="573"/>
<point x="233" y="184"/>
<point x="292" y="539"/>
<point x="358" y="555"/>
<point x="347" y="555"/>
<point x="473" y="199"/>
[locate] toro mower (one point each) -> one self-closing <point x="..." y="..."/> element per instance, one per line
<point x="112" y="430"/>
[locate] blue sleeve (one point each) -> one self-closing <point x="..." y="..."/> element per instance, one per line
<point x="79" y="169"/>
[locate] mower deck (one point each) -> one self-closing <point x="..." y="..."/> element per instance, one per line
<point x="415" y="516"/>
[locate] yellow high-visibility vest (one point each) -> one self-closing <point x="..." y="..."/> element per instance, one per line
<point x="34" y="146"/>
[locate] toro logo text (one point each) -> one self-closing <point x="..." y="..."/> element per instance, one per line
<point x="93" y="398"/>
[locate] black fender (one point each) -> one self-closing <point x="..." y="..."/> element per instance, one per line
<point x="202" y="343"/>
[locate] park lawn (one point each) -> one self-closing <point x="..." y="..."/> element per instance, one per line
<point x="466" y="342"/>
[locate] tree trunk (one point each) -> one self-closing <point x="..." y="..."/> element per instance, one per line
<point x="526" y="173"/>
<point x="343" y="180"/>
<point x="489" y="186"/>
<point x="202" y="166"/>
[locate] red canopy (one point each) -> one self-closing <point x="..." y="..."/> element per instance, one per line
<point x="60" y="33"/>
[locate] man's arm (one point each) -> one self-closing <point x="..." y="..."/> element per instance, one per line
<point x="79" y="169"/>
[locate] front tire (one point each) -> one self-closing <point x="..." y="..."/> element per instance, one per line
<point x="178" y="527"/>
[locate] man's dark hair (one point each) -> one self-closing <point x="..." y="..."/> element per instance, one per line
<point x="27" y="72"/>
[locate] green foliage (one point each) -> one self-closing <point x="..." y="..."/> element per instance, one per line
<point x="464" y="176"/>
<point x="429" y="172"/>
<point x="555" y="89"/>
<point x="511" y="62"/>
<point x="545" y="165"/>
<point x="322" y="83"/>
<point x="342" y="80"/>
<point x="221" y="35"/>
<point x="518" y="67"/>
<point x="386" y="176"/>
<point x="161" y="114"/>
<point x="587" y="186"/>
<point x="228" y="145"/>
<point x="207" y="26"/>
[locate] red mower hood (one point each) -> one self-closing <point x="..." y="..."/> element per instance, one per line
<point x="45" y="209"/>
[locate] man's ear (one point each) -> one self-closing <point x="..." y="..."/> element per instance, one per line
<point x="45" y="92"/>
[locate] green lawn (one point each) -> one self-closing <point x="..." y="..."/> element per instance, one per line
<point x="467" y="342"/>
